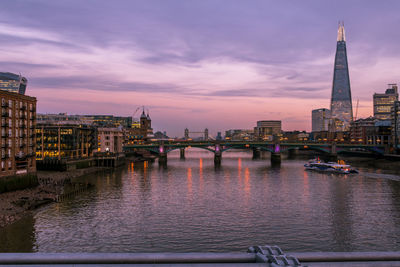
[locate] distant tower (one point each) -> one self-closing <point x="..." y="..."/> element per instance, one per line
<point x="143" y="121"/>
<point x="186" y="134"/>
<point x="206" y="134"/>
<point x="341" y="107"/>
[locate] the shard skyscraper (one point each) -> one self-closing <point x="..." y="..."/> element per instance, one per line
<point x="341" y="105"/>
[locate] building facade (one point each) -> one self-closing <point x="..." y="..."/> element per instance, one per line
<point x="110" y="140"/>
<point x="139" y="135"/>
<point x="383" y="103"/>
<point x="95" y="120"/>
<point x="370" y="131"/>
<point x="320" y="119"/>
<point x="341" y="105"/>
<point x="62" y="141"/>
<point x="359" y="129"/>
<point x="13" y="83"/>
<point x="266" y="130"/>
<point x="18" y="122"/>
<point x="395" y="123"/>
<point x="239" y="134"/>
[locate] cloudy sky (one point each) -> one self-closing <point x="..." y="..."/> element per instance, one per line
<point x="220" y="64"/>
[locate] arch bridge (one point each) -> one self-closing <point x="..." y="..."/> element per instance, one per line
<point x="162" y="148"/>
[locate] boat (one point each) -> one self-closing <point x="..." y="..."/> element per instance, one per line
<point x="330" y="167"/>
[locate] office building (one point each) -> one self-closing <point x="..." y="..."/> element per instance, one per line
<point x="63" y="141"/>
<point x="341" y="106"/>
<point x="320" y="119"/>
<point x="110" y="140"/>
<point x="395" y="123"/>
<point x="239" y="134"/>
<point x="95" y="120"/>
<point x="18" y="114"/>
<point x="383" y="103"/>
<point x="266" y="130"/>
<point x="13" y="83"/>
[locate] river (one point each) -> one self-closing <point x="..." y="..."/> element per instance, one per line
<point x="192" y="206"/>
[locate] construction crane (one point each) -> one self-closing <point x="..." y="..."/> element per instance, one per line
<point x="355" y="118"/>
<point x="134" y="113"/>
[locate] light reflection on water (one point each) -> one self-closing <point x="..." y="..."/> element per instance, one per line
<point x="193" y="206"/>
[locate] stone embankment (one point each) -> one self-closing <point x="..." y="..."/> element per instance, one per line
<point x="14" y="205"/>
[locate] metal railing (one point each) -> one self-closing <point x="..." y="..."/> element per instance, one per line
<point x="256" y="256"/>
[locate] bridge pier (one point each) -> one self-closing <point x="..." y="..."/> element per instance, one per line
<point x="217" y="158"/>
<point x="182" y="153"/>
<point x="292" y="153"/>
<point x="275" y="157"/>
<point x="256" y="153"/>
<point x="162" y="158"/>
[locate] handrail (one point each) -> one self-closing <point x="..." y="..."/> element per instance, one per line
<point x="306" y="258"/>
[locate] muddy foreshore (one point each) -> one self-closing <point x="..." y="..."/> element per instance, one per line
<point x="15" y="205"/>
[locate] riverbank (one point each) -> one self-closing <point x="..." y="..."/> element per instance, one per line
<point x="15" y="205"/>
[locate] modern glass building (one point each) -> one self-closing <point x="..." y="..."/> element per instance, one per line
<point x="384" y="102"/>
<point x="341" y="106"/>
<point x="320" y="119"/>
<point x="12" y="82"/>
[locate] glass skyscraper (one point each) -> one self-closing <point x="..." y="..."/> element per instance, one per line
<point x="341" y="106"/>
<point x="12" y="82"/>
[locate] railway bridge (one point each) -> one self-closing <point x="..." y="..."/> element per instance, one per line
<point x="162" y="148"/>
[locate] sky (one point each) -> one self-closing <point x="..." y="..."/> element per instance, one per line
<point x="220" y="64"/>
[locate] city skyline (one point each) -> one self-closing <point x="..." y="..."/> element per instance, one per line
<point x="197" y="65"/>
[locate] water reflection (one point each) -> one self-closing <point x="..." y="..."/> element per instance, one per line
<point x="244" y="202"/>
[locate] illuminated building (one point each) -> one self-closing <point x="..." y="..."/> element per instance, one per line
<point x="395" y="123"/>
<point x="110" y="140"/>
<point x="13" y="83"/>
<point x="370" y="131"/>
<point x="266" y="130"/>
<point x="141" y="134"/>
<point x="239" y="134"/>
<point x="320" y="119"/>
<point x="65" y="141"/>
<point x="384" y="102"/>
<point x="341" y="106"/>
<point x="95" y="120"/>
<point x="18" y="113"/>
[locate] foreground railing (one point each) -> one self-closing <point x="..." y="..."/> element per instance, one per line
<point x="256" y="256"/>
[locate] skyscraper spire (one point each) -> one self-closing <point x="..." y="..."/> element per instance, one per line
<point x="341" y="106"/>
<point x="341" y="35"/>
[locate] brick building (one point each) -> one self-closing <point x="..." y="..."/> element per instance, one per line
<point x="18" y="115"/>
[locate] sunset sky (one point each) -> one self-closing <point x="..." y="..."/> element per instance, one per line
<point x="197" y="64"/>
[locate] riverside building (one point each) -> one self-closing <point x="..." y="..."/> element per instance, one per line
<point x="341" y="106"/>
<point x="13" y="83"/>
<point x="18" y="114"/>
<point x="320" y="119"/>
<point x="110" y="140"/>
<point x="96" y="120"/>
<point x="266" y="130"/>
<point x="383" y="103"/>
<point x="63" y="141"/>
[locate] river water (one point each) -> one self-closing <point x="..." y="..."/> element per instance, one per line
<point x="191" y="206"/>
